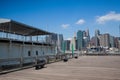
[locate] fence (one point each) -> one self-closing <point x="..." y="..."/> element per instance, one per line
<point x="13" y="64"/>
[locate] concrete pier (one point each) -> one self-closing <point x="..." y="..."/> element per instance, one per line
<point x="83" y="68"/>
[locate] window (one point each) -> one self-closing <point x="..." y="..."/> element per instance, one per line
<point x="37" y="53"/>
<point x="29" y="53"/>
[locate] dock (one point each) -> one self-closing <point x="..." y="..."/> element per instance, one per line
<point x="83" y="68"/>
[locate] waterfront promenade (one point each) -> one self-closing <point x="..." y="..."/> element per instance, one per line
<point x="83" y="68"/>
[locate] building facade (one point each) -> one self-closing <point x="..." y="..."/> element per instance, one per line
<point x="80" y="40"/>
<point x="67" y="43"/>
<point x="105" y="40"/>
<point x="112" y="42"/>
<point x="97" y="34"/>
<point x="60" y="41"/>
<point x="73" y="43"/>
<point x="21" y="44"/>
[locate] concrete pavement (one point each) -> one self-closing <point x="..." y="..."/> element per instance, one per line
<point x="83" y="68"/>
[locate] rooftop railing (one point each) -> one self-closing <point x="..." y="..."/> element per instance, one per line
<point x="39" y="39"/>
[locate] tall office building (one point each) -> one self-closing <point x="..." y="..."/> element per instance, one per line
<point x="84" y="33"/>
<point x="60" y="41"/>
<point x="105" y="40"/>
<point x="80" y="40"/>
<point x="86" y="38"/>
<point x="97" y="34"/>
<point x="67" y="43"/>
<point x="57" y="40"/>
<point x="96" y="41"/>
<point x="116" y="40"/>
<point x="92" y="42"/>
<point x="73" y="42"/>
<point x="112" y="43"/>
<point x="87" y="32"/>
<point x="53" y="38"/>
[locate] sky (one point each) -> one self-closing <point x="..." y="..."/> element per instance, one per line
<point x="65" y="16"/>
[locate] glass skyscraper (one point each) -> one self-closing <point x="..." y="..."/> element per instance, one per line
<point x="80" y="40"/>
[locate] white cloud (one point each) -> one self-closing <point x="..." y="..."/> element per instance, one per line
<point x="80" y="21"/>
<point x="65" y="26"/>
<point x="108" y="17"/>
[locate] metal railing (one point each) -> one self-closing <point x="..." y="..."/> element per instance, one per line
<point x="12" y="64"/>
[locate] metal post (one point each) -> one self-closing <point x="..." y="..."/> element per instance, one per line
<point x="10" y="44"/>
<point x="31" y="38"/>
<point x="37" y="38"/>
<point x="118" y="40"/>
<point x="32" y="50"/>
<point x="22" y="55"/>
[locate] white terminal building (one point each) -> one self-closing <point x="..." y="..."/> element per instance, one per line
<point x="21" y="44"/>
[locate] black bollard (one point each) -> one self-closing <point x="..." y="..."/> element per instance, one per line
<point x="76" y="57"/>
<point x="65" y="59"/>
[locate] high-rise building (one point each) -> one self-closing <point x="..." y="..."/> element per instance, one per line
<point x="88" y="35"/>
<point x="84" y="33"/>
<point x="85" y="42"/>
<point x="92" y="42"/>
<point x="112" y="43"/>
<point x="53" y="38"/>
<point x="57" y="40"/>
<point x="86" y="38"/>
<point x="116" y="40"/>
<point x="67" y="43"/>
<point x="60" y="41"/>
<point x="73" y="43"/>
<point x="80" y="40"/>
<point x="87" y="32"/>
<point x="96" y="41"/>
<point x="105" y="40"/>
<point x="97" y="34"/>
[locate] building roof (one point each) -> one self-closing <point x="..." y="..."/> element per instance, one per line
<point x="11" y="26"/>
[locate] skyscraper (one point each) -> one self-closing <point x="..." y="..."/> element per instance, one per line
<point x="80" y="40"/>
<point x="87" y="32"/>
<point x="52" y="39"/>
<point x="97" y="34"/>
<point x="105" y="40"/>
<point x="116" y="41"/>
<point x="73" y="43"/>
<point x="67" y="43"/>
<point x="92" y="42"/>
<point x="60" y="41"/>
<point x="86" y="38"/>
<point x="88" y="35"/>
<point x="112" y="43"/>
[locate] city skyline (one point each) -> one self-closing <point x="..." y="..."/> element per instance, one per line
<point x="94" y="35"/>
<point x="65" y="16"/>
<point x="99" y="42"/>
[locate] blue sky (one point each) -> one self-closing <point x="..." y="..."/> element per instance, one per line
<point x="65" y="16"/>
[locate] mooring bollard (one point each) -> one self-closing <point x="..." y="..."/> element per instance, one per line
<point x="65" y="59"/>
<point x="76" y="57"/>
